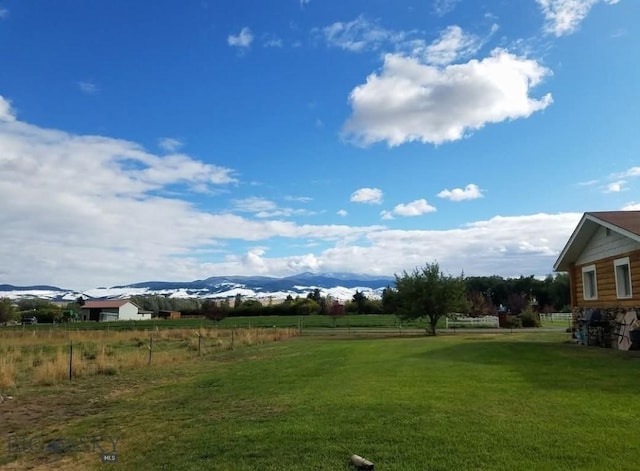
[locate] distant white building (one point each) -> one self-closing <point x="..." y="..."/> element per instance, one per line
<point x="113" y="310"/>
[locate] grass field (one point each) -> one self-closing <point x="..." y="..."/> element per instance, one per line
<point x="385" y="321"/>
<point x="523" y="401"/>
<point x="304" y="322"/>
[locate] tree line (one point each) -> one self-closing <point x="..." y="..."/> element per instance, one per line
<point x="422" y="293"/>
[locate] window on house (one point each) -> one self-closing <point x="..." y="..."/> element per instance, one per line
<point x="623" y="277"/>
<point x="589" y="282"/>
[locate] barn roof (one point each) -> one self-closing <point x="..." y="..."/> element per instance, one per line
<point x="105" y="303"/>
<point x="626" y="223"/>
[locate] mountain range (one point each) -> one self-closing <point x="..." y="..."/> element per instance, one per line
<point x="337" y="285"/>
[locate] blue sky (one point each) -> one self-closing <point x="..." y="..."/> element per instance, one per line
<point x="182" y="140"/>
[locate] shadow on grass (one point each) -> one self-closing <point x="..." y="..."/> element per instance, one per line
<point x="551" y="366"/>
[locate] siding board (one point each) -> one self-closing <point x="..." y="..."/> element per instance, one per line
<point x="606" y="282"/>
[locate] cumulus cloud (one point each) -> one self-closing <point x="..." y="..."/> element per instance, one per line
<point x="367" y="195"/>
<point x="6" y="113"/>
<point x="564" y="16"/>
<point x="414" y="208"/>
<point x="342" y="212"/>
<point x="411" y="101"/>
<point x="505" y="246"/>
<point x="469" y="192"/>
<point x="242" y="40"/>
<point x="85" y="211"/>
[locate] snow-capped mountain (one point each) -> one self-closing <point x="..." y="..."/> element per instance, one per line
<point x="337" y="285"/>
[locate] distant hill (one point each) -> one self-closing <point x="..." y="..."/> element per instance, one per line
<point x="337" y="285"/>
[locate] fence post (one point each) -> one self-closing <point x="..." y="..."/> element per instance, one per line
<point x="150" y="346"/>
<point x="70" y="359"/>
<point x="199" y="343"/>
<point x="232" y="338"/>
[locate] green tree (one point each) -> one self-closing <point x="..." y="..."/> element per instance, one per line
<point x="427" y="292"/>
<point x="306" y="307"/>
<point x="213" y="311"/>
<point x="360" y="300"/>
<point x="389" y="300"/>
<point x="6" y="310"/>
<point x="315" y="295"/>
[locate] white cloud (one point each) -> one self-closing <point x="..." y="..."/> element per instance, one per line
<point x="442" y="7"/>
<point x="272" y="42"/>
<point x="357" y="35"/>
<point x="415" y="208"/>
<point x="88" y="88"/>
<point x="254" y="205"/>
<point x="387" y="215"/>
<point x="410" y="101"/>
<point x="87" y="211"/>
<point x="4" y="13"/>
<point x="242" y="40"/>
<point x="303" y="3"/>
<point x="631" y="207"/>
<point x="342" y="212"/>
<point x="452" y="44"/>
<point x="615" y="187"/>
<point x="264" y="208"/>
<point x="469" y="192"/>
<point x="631" y="172"/>
<point x="299" y="199"/>
<point x="169" y="144"/>
<point x="564" y="16"/>
<point x="6" y="112"/>
<point x="505" y="246"/>
<point x="367" y="195"/>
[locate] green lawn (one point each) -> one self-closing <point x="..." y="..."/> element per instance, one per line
<point x="525" y="401"/>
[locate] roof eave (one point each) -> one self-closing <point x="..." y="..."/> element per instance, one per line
<point x="564" y="260"/>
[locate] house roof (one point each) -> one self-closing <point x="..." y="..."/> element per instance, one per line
<point x="626" y="223"/>
<point x="105" y="303"/>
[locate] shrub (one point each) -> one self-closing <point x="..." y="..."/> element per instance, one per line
<point x="530" y="318"/>
<point x="513" y="322"/>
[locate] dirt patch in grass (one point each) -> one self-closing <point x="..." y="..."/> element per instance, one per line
<point x="44" y="414"/>
<point x="26" y="413"/>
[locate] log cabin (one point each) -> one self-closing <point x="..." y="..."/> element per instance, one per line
<point x="602" y="258"/>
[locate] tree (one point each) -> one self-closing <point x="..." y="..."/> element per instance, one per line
<point x="306" y="307"/>
<point x="238" y="301"/>
<point x="6" y="310"/>
<point x="389" y="300"/>
<point x="315" y="295"/>
<point x="427" y="292"/>
<point x="479" y="305"/>
<point x="360" y="300"/>
<point x="213" y="311"/>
